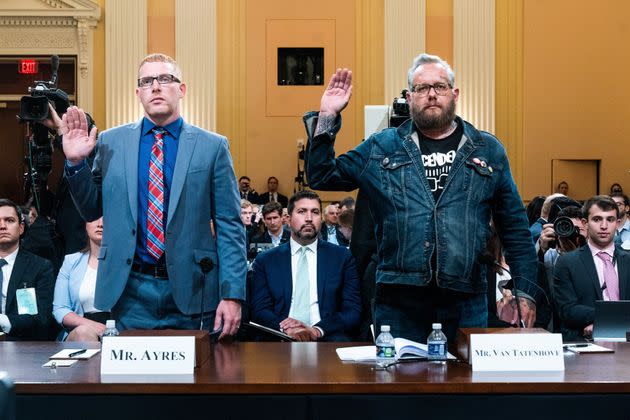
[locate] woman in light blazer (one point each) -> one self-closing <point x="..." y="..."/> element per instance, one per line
<point x="73" y="305"/>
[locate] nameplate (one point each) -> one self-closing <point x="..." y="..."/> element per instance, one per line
<point x="148" y="355"/>
<point x="516" y="352"/>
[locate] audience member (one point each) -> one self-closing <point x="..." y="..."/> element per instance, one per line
<point x="73" y="305"/>
<point x="308" y="288"/>
<point x="502" y="310"/>
<point x="431" y="224"/>
<point x="616" y="188"/>
<point x="247" y="193"/>
<point x="563" y="188"/>
<point x="534" y="209"/>
<point x="330" y="229"/>
<point x="274" y="234"/>
<point x="548" y="237"/>
<point x="272" y="194"/>
<point x="346" y="204"/>
<point x="622" y="236"/>
<point x="599" y="263"/>
<point x="537" y="227"/>
<point x="346" y="222"/>
<point x="26" y="282"/>
<point x="157" y="200"/>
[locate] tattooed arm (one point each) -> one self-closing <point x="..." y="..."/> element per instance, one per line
<point x="335" y="99"/>
<point x="323" y="170"/>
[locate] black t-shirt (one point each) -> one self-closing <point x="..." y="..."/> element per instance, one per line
<point x="438" y="157"/>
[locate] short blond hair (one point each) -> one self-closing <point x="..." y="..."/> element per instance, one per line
<point x="161" y="58"/>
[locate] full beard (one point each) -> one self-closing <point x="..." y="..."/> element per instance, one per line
<point x="306" y="235"/>
<point x="425" y="120"/>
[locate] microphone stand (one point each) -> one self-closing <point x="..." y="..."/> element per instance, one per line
<point x="206" y="266"/>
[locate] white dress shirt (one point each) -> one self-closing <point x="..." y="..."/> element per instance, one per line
<point x="311" y="257"/>
<point x="5" y="324"/>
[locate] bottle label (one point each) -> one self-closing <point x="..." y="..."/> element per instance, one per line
<point x="385" y="351"/>
<point x="437" y="349"/>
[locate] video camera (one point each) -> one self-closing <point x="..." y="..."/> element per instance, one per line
<point x="400" y="110"/>
<point x="34" y="111"/>
<point x="34" y="108"/>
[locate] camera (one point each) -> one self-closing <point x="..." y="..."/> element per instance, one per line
<point x="34" y="108"/>
<point x="564" y="228"/>
<point x="400" y="110"/>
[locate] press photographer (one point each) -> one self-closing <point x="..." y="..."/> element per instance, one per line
<point x="58" y="229"/>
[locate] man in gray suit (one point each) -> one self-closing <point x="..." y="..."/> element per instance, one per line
<point x="159" y="183"/>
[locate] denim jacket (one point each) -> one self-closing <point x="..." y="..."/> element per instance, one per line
<point x="410" y="225"/>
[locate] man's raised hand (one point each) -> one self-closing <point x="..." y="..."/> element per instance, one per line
<point x="337" y="94"/>
<point x="77" y="142"/>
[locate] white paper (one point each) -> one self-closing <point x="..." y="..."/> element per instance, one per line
<point x="60" y="363"/>
<point x="357" y="354"/>
<point x="65" y="354"/>
<point x="368" y="353"/>
<point x="589" y="348"/>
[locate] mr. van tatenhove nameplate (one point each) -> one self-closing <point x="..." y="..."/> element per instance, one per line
<point x="148" y="355"/>
<point x="516" y="352"/>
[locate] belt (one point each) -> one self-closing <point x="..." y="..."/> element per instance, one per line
<point x="155" y="270"/>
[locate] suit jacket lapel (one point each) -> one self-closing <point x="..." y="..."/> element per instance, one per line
<point x="284" y="266"/>
<point x="131" y="169"/>
<point x="185" y="149"/>
<point x="15" y="282"/>
<point x="321" y="272"/>
<point x="591" y="272"/>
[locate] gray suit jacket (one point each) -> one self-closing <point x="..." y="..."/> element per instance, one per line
<point x="203" y="189"/>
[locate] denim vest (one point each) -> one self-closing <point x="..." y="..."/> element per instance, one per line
<point x="410" y="225"/>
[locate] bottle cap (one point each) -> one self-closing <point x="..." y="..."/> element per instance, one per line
<point x="110" y="323"/>
<point x="384" y="328"/>
<point x="437" y="326"/>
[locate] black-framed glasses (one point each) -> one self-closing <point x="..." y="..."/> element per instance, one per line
<point x="163" y="79"/>
<point x="439" y="88"/>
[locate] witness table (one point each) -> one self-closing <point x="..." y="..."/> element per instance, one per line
<point x="308" y="381"/>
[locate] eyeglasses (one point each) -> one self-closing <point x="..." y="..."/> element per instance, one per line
<point x="163" y="79"/>
<point x="439" y="88"/>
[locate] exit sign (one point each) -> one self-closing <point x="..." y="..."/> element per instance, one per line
<point x="27" y="67"/>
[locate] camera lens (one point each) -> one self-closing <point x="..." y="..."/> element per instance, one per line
<point x="564" y="227"/>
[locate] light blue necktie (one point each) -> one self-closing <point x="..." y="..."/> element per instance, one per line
<point x="301" y="295"/>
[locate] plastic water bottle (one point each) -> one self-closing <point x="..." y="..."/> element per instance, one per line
<point x="110" y="329"/>
<point x="436" y="345"/>
<point x="385" y="349"/>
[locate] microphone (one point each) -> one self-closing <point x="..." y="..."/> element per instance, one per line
<point x="489" y="260"/>
<point x="54" y="60"/>
<point x="206" y="265"/>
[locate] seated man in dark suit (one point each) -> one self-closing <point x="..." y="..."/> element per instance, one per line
<point x="596" y="271"/>
<point x="272" y="194"/>
<point x="307" y="287"/>
<point x="272" y="218"/>
<point x="27" y="283"/>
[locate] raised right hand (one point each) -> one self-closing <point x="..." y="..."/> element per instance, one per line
<point x="77" y="142"/>
<point x="337" y="94"/>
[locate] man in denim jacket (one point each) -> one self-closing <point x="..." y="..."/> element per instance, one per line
<point x="433" y="185"/>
